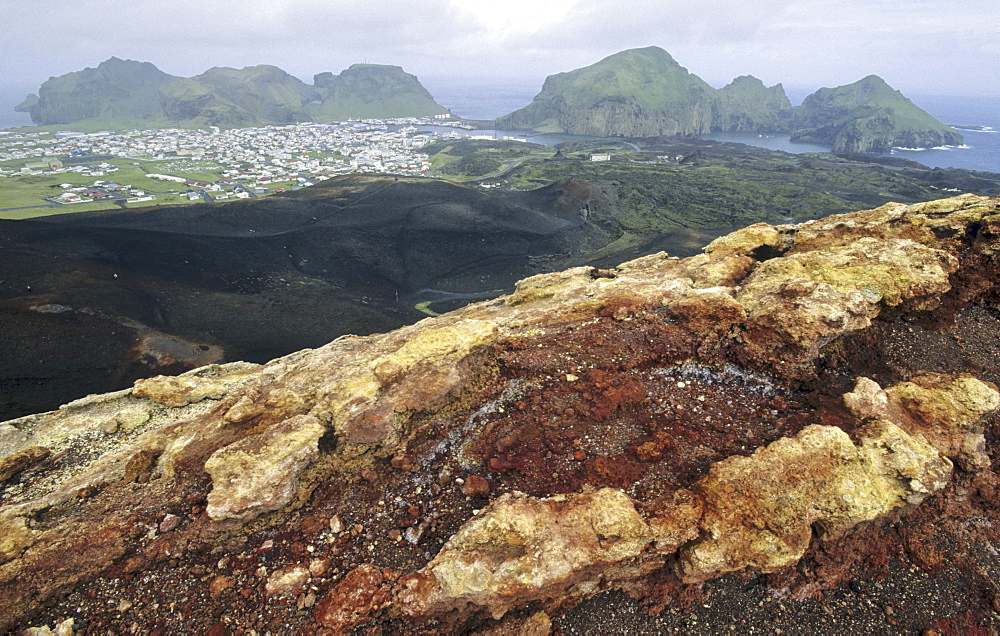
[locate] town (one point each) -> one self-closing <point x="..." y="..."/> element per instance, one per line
<point x="175" y="165"/>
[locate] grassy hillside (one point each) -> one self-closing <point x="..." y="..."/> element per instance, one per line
<point x="639" y="92"/>
<point x="115" y="90"/>
<point x="371" y="90"/>
<point x="469" y="159"/>
<point x="868" y="115"/>
<point x="650" y="76"/>
<point x="123" y="94"/>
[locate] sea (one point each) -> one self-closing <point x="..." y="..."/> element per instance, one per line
<point x="977" y="117"/>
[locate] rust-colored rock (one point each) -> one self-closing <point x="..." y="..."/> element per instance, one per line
<point x="669" y="421"/>
<point x="476" y="486"/>
<point x="16" y="462"/>
<point x="362" y="592"/>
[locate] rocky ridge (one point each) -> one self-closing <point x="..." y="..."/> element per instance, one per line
<point x="645" y="428"/>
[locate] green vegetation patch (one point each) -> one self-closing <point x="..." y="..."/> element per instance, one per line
<point x="699" y="184"/>
<point x="477" y="158"/>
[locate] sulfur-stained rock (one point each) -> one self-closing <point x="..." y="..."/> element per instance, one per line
<point x="612" y="379"/>
<point x="521" y="549"/>
<point x="63" y="628"/>
<point x="798" y="303"/>
<point x="748" y="240"/>
<point x="258" y="473"/>
<point x="14" y="463"/>
<point x="287" y="581"/>
<point x="947" y="411"/>
<point x="244" y="409"/>
<point x="178" y="390"/>
<point x="12" y="439"/>
<point x="15" y="536"/>
<point x="548" y="286"/>
<point x="131" y="416"/>
<point x="760" y="510"/>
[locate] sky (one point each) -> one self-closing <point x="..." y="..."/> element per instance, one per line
<point x="937" y="47"/>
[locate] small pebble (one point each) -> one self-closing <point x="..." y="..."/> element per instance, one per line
<point x="476" y="486"/>
<point x="170" y="522"/>
<point x="336" y="525"/>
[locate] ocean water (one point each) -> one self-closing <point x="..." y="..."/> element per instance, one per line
<point x="482" y="99"/>
<point x="981" y="150"/>
<point x="14" y="119"/>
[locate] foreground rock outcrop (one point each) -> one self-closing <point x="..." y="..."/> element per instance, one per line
<point x="644" y="429"/>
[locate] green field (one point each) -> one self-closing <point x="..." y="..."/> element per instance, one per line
<point x="462" y="160"/>
<point x="29" y="191"/>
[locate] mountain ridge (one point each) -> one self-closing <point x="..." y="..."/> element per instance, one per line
<point x="641" y="92"/>
<point x="127" y="92"/>
<point x="645" y="92"/>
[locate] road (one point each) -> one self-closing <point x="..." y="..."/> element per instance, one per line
<point x="502" y="172"/>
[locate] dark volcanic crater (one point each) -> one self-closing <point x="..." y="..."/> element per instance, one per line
<point x="91" y="301"/>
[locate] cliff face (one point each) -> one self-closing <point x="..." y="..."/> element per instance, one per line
<point x="371" y="90"/>
<point x="636" y="93"/>
<point x="127" y="93"/>
<point x="644" y="428"/>
<point x="746" y="105"/>
<point x="868" y="116"/>
<point x="238" y="97"/>
<point x="117" y="90"/>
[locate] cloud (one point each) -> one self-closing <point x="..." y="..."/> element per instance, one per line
<point x="942" y="46"/>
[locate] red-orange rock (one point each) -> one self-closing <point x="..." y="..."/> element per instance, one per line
<point x="355" y="599"/>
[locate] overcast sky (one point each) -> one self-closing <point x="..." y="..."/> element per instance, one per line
<point x="918" y="46"/>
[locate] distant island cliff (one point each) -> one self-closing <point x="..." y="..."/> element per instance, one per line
<point x="128" y="92"/>
<point x="868" y="116"/>
<point x="645" y="93"/>
<point x="634" y="93"/>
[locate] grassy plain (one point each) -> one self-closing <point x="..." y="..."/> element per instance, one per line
<point x="462" y="160"/>
<point x="23" y="196"/>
